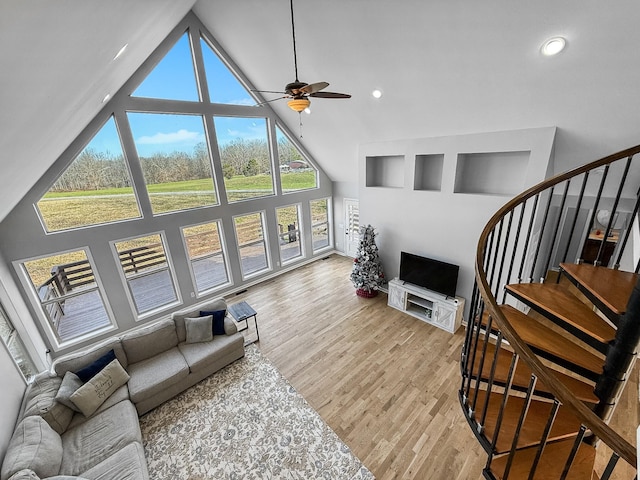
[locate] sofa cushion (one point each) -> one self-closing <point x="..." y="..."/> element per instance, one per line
<point x="128" y="463"/>
<point x="88" y="372"/>
<point x="200" y="355"/>
<point x="178" y="317"/>
<point x="34" y="445"/>
<point x="102" y="435"/>
<point x="155" y="374"/>
<point x="149" y="341"/>
<point x="70" y="383"/>
<point x="40" y="399"/>
<point x="218" y="320"/>
<point x="100" y="387"/>
<point x="28" y="474"/>
<point x="118" y="396"/>
<point x="76" y="361"/>
<point x="229" y="326"/>
<point x="199" y="329"/>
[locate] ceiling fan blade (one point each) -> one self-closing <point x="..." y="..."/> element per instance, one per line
<point x="314" y="87"/>
<point x="329" y="95"/>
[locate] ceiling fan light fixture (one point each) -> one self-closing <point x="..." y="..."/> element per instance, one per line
<point x="298" y="104"/>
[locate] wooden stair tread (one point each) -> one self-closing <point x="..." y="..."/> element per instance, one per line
<point x="546" y="340"/>
<point x="565" y="425"/>
<point x="611" y="287"/>
<point x="551" y="462"/>
<point x="559" y="301"/>
<point x="522" y="375"/>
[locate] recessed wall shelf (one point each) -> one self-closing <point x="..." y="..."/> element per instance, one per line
<point x="385" y="171"/>
<point x="495" y="173"/>
<point x="428" y="172"/>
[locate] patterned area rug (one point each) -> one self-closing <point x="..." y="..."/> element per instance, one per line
<point x="244" y="422"/>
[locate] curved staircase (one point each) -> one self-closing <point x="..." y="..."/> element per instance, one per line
<point x="554" y="326"/>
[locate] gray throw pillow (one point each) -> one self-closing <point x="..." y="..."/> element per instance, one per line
<point x="70" y="383"/>
<point x="199" y="329"/>
<point x="95" y="392"/>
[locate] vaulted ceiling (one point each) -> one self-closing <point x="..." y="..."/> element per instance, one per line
<point x="444" y="68"/>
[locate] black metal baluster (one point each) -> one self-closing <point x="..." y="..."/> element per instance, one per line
<point x="492" y="374"/>
<point x="613" y="460"/>
<point x="487" y="334"/>
<point x="503" y="404"/>
<point x="573" y="453"/>
<point x="541" y="236"/>
<point x="472" y="352"/>
<point x="528" y="238"/>
<point x="515" y="249"/>
<point x="504" y="253"/>
<point x="495" y="248"/>
<point x="575" y="218"/>
<point x="598" y="196"/>
<point x="521" y="420"/>
<point x="555" y="237"/>
<point x="545" y="437"/>
<point x="613" y="211"/>
<point x="628" y="231"/>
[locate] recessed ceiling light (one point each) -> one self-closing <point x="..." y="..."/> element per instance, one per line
<point x="121" y="51"/>
<point x="553" y="46"/>
<point x="106" y="98"/>
<point x="307" y="111"/>
<point x="376" y="93"/>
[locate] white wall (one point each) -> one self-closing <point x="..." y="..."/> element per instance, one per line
<point x="442" y="224"/>
<point x="13" y="387"/>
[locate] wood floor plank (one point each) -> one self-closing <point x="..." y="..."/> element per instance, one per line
<point x="384" y="381"/>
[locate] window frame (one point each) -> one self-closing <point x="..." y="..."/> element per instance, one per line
<point x="125" y="281"/>
<point x="298" y="231"/>
<point x="265" y="241"/>
<point x="27" y="367"/>
<point x="327" y="222"/>
<point x="42" y="317"/>
<point x="223" y="253"/>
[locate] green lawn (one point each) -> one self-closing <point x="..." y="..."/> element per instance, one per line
<point x="290" y="181"/>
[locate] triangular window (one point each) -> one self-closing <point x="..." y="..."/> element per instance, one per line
<point x="296" y="173"/>
<point x="174" y="77"/>
<point x="95" y="188"/>
<point x="224" y="87"/>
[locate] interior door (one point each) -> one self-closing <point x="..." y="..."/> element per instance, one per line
<point x="351" y="226"/>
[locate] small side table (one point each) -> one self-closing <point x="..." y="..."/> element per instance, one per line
<point x="242" y="312"/>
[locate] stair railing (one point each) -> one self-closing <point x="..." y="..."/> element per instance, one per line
<point x="524" y="242"/>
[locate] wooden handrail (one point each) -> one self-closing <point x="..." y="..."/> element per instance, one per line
<point x="606" y="434"/>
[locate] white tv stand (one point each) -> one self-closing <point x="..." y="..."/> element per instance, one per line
<point x="426" y="305"/>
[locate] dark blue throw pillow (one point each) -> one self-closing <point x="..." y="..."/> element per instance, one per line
<point x="218" y="320"/>
<point x="87" y="373"/>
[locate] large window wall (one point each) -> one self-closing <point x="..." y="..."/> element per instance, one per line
<point x="185" y="187"/>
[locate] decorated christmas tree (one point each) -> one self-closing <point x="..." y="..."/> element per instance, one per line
<point x="367" y="272"/>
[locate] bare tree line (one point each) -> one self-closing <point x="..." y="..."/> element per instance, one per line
<point x="93" y="170"/>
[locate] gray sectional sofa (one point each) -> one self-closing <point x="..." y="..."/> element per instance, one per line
<point x="68" y="428"/>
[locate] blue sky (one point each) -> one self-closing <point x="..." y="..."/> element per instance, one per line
<point x="174" y="78"/>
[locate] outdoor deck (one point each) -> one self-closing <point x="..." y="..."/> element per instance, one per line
<point x="86" y="312"/>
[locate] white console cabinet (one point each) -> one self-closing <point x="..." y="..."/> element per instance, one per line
<point x="426" y="305"/>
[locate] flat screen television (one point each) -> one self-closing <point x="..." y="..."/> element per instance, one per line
<point x="441" y="277"/>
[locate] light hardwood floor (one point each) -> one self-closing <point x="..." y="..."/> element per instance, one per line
<point x="385" y="382"/>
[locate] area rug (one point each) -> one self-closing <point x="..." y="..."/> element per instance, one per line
<point x="244" y="422"/>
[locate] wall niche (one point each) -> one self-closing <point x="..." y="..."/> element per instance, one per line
<point x="428" y="172"/>
<point x="494" y="173"/>
<point x="385" y="171"/>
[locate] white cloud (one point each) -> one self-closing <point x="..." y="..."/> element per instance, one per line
<point x="181" y="136"/>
